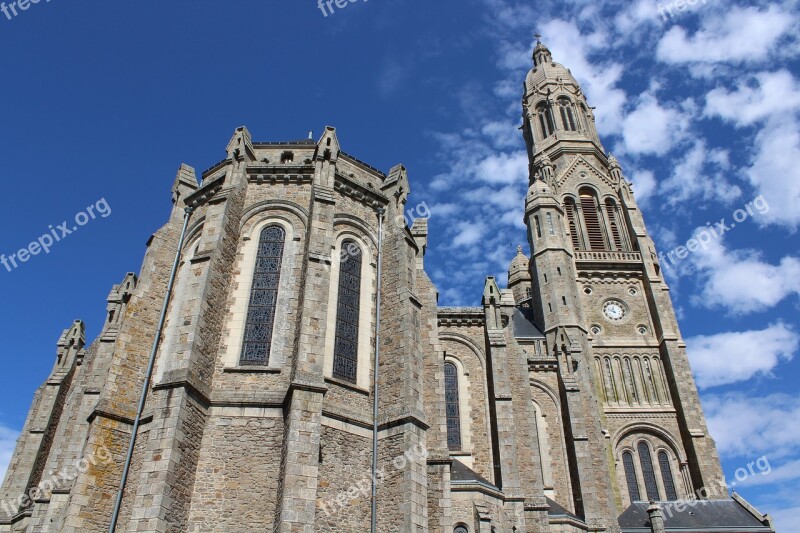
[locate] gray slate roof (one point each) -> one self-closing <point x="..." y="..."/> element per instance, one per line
<point x="524" y="327"/>
<point x="726" y="516"/>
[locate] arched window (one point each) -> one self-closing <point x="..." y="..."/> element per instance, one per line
<point x="591" y="218"/>
<point x="263" y="298"/>
<point x="345" y="351"/>
<point x="567" y="114"/>
<point x="546" y="121"/>
<point x="574" y="221"/>
<point x="648" y="473"/>
<point x="461" y="529"/>
<point x="538" y="227"/>
<point x="666" y="476"/>
<point x="630" y="477"/>
<point x="451" y="405"/>
<point x="616" y="235"/>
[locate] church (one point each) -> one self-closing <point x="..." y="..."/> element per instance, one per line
<point x="232" y="388"/>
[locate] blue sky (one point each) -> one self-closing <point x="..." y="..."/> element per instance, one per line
<point x="104" y="100"/>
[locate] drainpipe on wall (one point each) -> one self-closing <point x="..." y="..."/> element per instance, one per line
<point x="149" y="375"/>
<point x="373" y="529"/>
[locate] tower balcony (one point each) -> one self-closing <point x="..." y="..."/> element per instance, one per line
<point x="607" y="256"/>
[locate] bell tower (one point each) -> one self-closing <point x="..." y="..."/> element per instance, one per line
<point x="629" y="401"/>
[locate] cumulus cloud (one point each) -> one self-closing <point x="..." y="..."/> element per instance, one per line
<point x="737" y="356"/>
<point x="775" y="173"/>
<point x="719" y="38"/>
<point x="771" y="101"/>
<point x="651" y="128"/>
<point x="644" y="185"/>
<point x="774" y="93"/>
<point x="701" y="175"/>
<point x="740" y="281"/>
<point x="469" y="233"/>
<point x="747" y="427"/>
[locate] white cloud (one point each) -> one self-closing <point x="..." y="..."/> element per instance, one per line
<point x="469" y="233"/>
<point x="8" y="441"/>
<point x="644" y="185"/>
<point x="732" y="357"/>
<point x="740" y="281"/>
<point x="749" y="427"/>
<point x="776" y="93"/>
<point x="787" y="519"/>
<point x="775" y="172"/>
<point x="502" y="168"/>
<point x="721" y="37"/>
<point x="701" y="175"/>
<point x="503" y="134"/>
<point x="651" y="128"/>
<point x="773" y="103"/>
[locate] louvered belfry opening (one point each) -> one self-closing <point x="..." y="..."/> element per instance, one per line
<point x="613" y="223"/>
<point x="591" y="217"/>
<point x="572" y="219"/>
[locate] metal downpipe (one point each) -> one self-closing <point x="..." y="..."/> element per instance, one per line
<point x="373" y="529"/>
<point x="149" y="375"/>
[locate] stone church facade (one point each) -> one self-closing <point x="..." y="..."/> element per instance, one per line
<point x="563" y="403"/>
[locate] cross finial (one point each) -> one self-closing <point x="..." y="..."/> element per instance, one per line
<point x="538" y="38"/>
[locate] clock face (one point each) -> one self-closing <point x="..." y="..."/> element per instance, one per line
<point x="614" y="310"/>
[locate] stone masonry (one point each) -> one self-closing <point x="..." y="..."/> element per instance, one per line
<point x="556" y="405"/>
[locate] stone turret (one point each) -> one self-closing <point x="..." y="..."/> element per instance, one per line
<point x="519" y="277"/>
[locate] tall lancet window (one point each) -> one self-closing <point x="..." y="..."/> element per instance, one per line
<point x="567" y="114"/>
<point x="546" y="121"/>
<point x="630" y="477"/>
<point x="345" y="351"/>
<point x="263" y="298"/>
<point x="666" y="476"/>
<point x="648" y="472"/>
<point x="451" y="405"/>
<point x="591" y="218"/>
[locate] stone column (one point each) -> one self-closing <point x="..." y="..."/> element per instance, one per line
<point x="656" y="518"/>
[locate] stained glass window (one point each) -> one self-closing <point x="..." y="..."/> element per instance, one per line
<point x="452" y="407"/>
<point x="461" y="529"/>
<point x="666" y="476"/>
<point x="263" y="298"/>
<point x="648" y="473"/>
<point x="630" y="477"/>
<point x="345" y="353"/>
